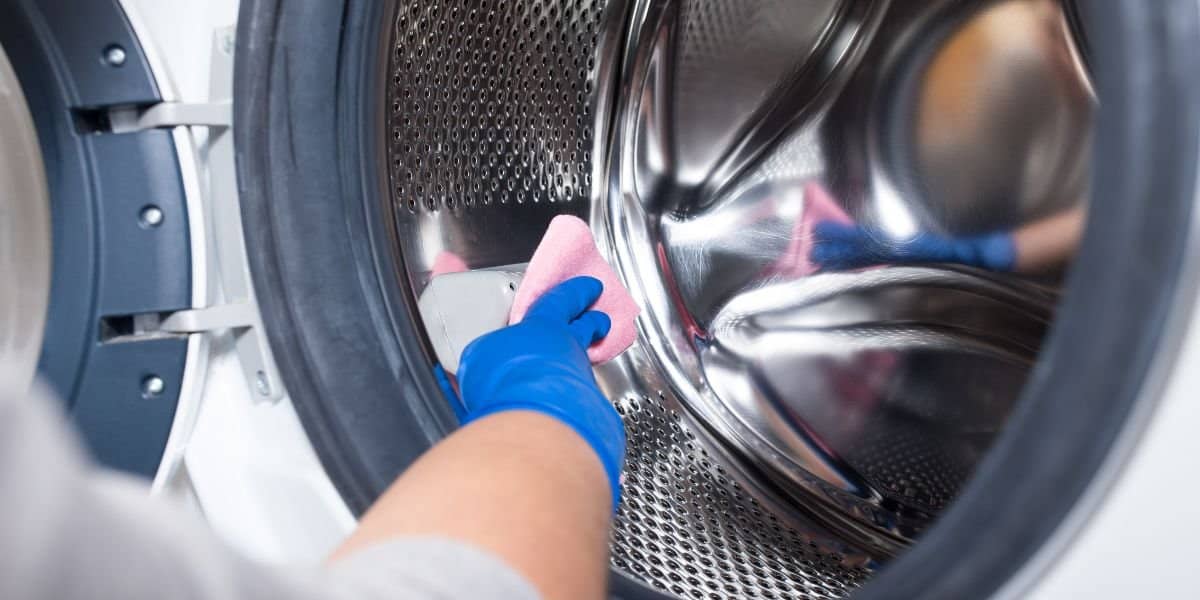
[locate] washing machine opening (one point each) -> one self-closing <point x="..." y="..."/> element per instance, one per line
<point x="871" y="242"/>
<point x="785" y="187"/>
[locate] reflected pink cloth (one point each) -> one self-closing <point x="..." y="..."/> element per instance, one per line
<point x="568" y="250"/>
<point x="447" y="262"/>
<point x="819" y="205"/>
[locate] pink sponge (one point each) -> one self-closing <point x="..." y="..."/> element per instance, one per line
<point x="568" y="250"/>
<point x="819" y="205"/>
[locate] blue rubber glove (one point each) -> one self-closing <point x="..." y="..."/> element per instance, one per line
<point x="541" y="364"/>
<point x="839" y="246"/>
<point x="460" y="411"/>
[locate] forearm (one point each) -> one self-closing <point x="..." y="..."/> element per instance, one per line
<point x="518" y="484"/>
<point x="1049" y="244"/>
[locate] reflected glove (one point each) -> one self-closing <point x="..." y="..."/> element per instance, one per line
<point x="541" y="364"/>
<point x="840" y="246"/>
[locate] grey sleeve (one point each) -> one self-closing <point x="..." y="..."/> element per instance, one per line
<point x="68" y="530"/>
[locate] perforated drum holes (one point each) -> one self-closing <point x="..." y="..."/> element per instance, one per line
<point x="490" y="102"/>
<point x="685" y="527"/>
<point x="924" y="471"/>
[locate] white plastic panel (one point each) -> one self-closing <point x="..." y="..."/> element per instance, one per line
<point x="245" y="464"/>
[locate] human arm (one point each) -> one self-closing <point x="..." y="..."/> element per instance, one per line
<point x="516" y="490"/>
<point x="1048" y="245"/>
<point x="1043" y="246"/>
<point x="532" y="476"/>
<point x="517" y="484"/>
<point x="846" y="246"/>
<point x="72" y="530"/>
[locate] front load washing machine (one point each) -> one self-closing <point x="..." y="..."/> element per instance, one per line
<point x="916" y="279"/>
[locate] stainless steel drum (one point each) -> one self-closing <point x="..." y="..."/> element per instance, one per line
<point x="792" y="422"/>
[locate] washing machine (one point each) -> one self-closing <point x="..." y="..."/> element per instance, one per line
<point x="916" y="279"/>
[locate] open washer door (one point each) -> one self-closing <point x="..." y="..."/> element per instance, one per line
<point x="910" y="272"/>
<point x="98" y="205"/>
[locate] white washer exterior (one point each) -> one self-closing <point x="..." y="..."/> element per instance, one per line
<point x="1137" y="543"/>
<point x="246" y="465"/>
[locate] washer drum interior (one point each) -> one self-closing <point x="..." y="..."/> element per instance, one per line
<point x="788" y="431"/>
<point x="793" y="424"/>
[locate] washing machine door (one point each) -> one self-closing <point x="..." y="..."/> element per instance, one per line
<point x="96" y="231"/>
<point x="912" y="275"/>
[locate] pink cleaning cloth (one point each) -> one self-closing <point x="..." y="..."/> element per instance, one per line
<point x="819" y="205"/>
<point x="569" y="250"/>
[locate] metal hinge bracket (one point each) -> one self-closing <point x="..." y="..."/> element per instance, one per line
<point x="242" y="319"/>
<point x="165" y="115"/>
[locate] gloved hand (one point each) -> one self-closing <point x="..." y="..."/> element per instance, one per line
<point x="443" y="380"/>
<point x="541" y="364"/>
<point x="840" y="246"/>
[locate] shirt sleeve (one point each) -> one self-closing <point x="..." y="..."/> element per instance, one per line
<point x="69" y="530"/>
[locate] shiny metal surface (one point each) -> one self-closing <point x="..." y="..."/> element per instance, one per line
<point x="885" y="384"/>
<point x="691" y="525"/>
<point x="841" y="406"/>
<point x="24" y="235"/>
<point x="1000" y="133"/>
<point x="494" y="112"/>
<point x="838" y="374"/>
